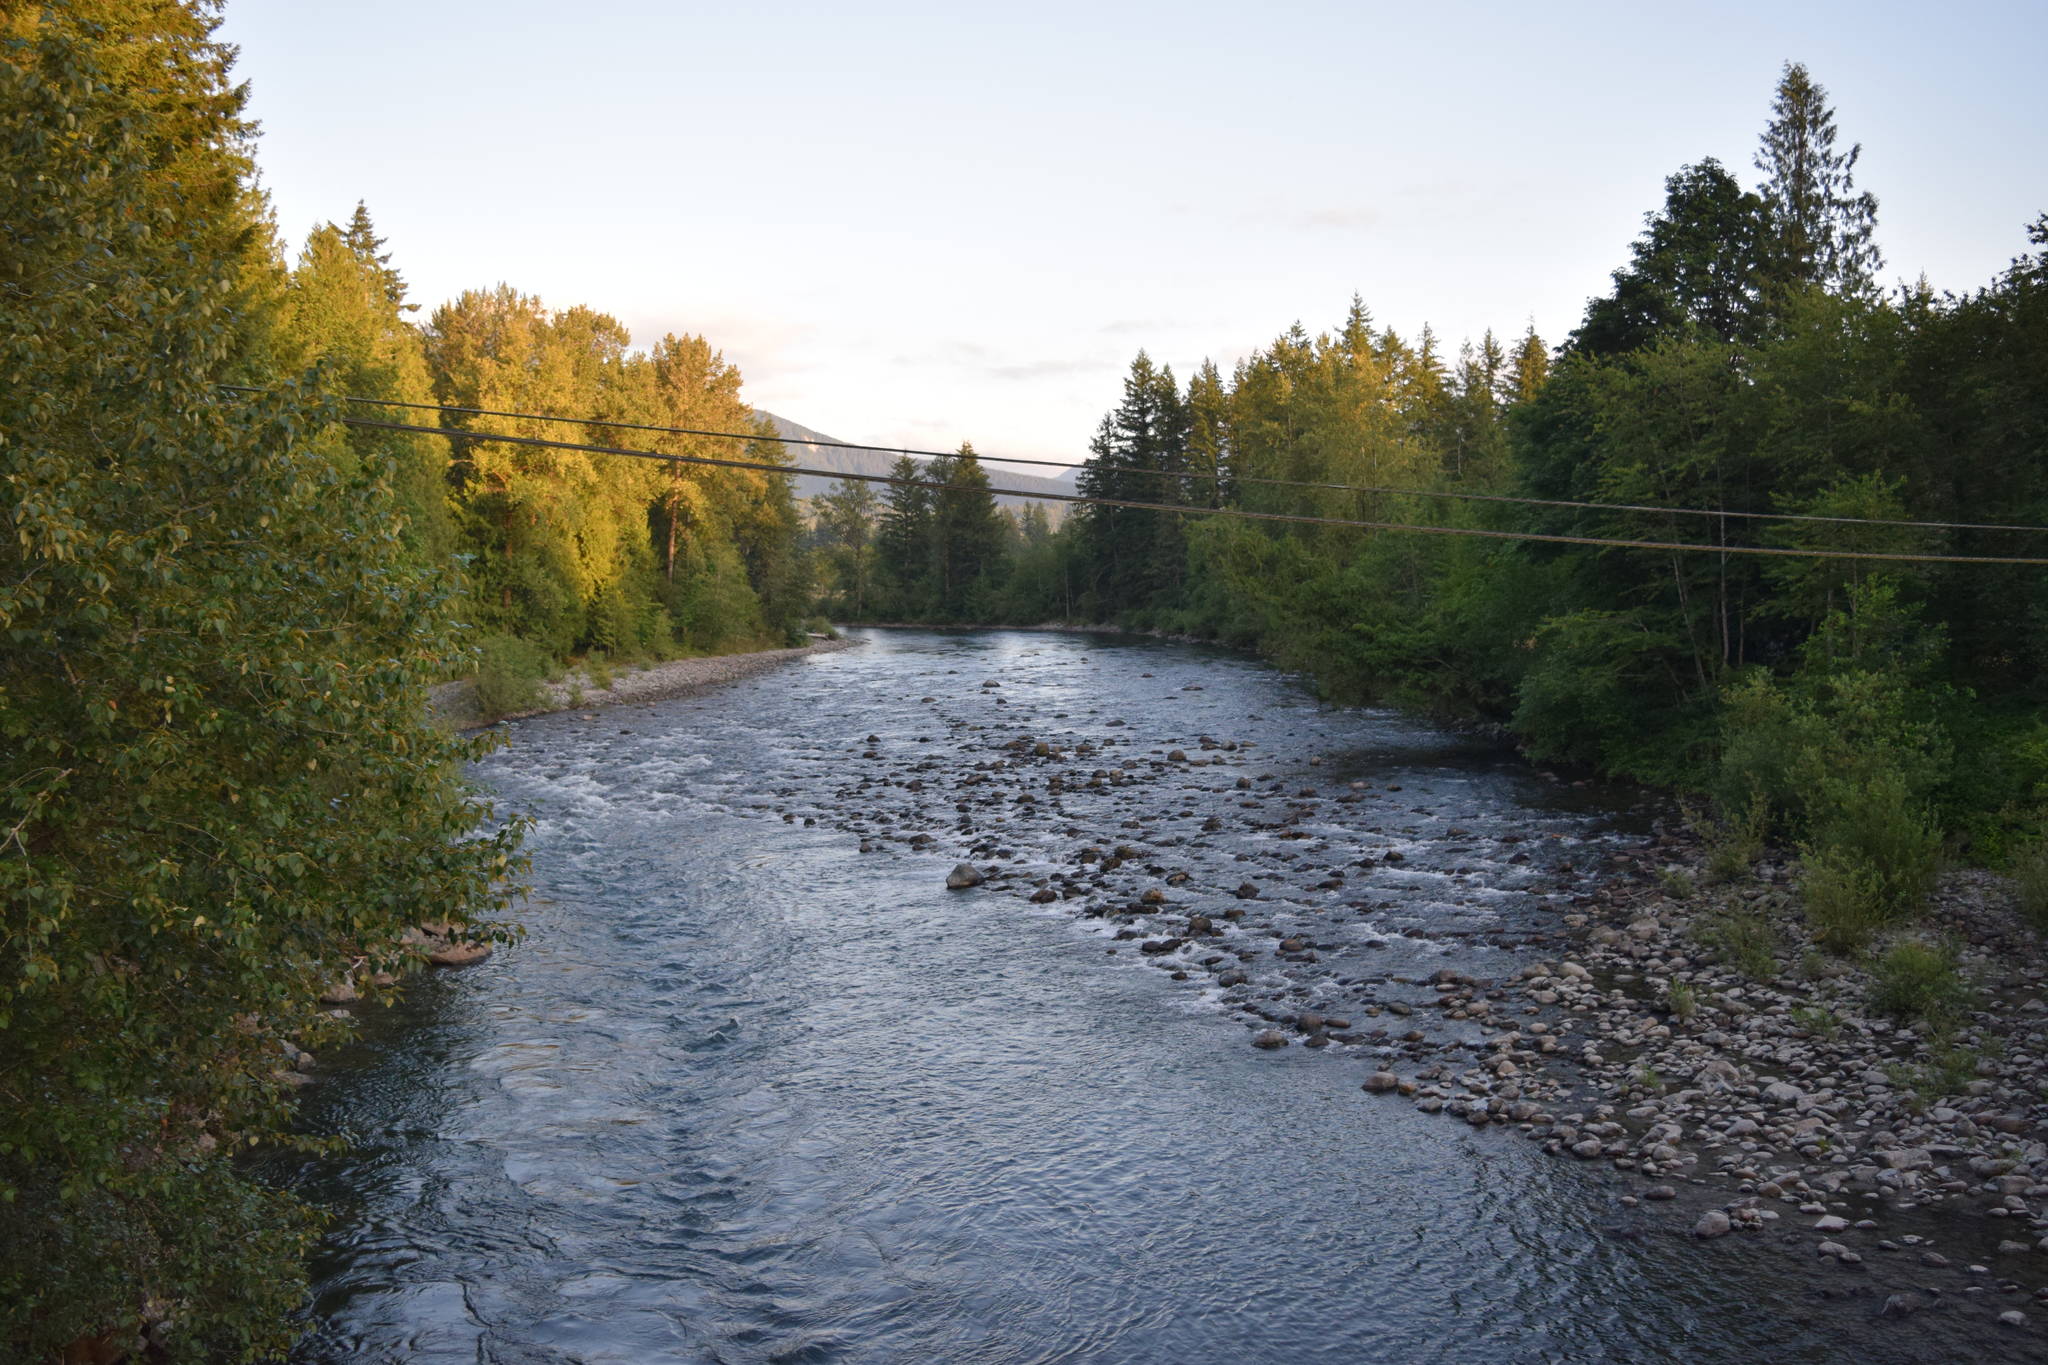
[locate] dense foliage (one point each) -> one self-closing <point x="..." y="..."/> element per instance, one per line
<point x="223" y="606"/>
<point x="1743" y="362"/>
<point x="218" y="787"/>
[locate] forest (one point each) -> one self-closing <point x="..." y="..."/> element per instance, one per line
<point x="225" y="597"/>
<point x="1746" y="382"/>
<point x="223" y="605"/>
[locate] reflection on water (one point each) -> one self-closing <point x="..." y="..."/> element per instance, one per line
<point x="746" y="1094"/>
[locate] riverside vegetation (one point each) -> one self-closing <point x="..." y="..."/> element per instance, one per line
<point x="1876" y="720"/>
<point x="219" y="797"/>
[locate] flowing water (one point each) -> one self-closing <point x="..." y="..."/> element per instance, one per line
<point x="747" y="1093"/>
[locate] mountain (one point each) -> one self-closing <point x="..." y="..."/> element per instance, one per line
<point x="804" y="449"/>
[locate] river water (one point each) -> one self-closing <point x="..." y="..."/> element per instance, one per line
<point x="748" y="1093"/>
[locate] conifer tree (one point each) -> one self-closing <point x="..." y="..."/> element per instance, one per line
<point x="1822" y="229"/>
<point x="1531" y="367"/>
<point x="361" y="236"/>
<point x="1134" y="555"/>
<point x="903" y="540"/>
<point x="967" y="531"/>
<point x="846" y="524"/>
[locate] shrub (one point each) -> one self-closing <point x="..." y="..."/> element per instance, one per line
<point x="1845" y="900"/>
<point x="1734" y="838"/>
<point x="509" y="672"/>
<point x="2030" y="879"/>
<point x="1745" y="942"/>
<point x="1677" y="885"/>
<point x="1683" y="1000"/>
<point x="1918" y="980"/>
<point x="1879" y="824"/>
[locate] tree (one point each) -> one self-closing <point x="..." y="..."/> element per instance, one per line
<point x="1531" y="367"/>
<point x="1821" y="230"/>
<point x="219" y="788"/>
<point x="1699" y="264"/>
<point x="967" y="532"/>
<point x="903" y="542"/>
<point x="362" y="239"/>
<point x="1136" y="556"/>
<point x="846" y="521"/>
<point x="343" y="306"/>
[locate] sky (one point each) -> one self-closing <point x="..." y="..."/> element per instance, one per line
<point x="923" y="224"/>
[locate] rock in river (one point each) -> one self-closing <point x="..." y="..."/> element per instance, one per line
<point x="963" y="876"/>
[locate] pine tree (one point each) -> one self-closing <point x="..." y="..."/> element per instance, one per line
<point x="903" y="559"/>
<point x="1208" y="447"/>
<point x="967" y="532"/>
<point x="362" y="239"/>
<point x="1531" y="367"/>
<point x="846" y="524"/>
<point x="1822" y="230"/>
<point x="1138" y="453"/>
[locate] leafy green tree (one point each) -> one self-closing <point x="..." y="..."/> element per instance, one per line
<point x="218" y="787"/>
<point x="1700" y="264"/>
<point x="344" y="305"/>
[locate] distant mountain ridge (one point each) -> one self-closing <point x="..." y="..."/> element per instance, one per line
<point x="804" y="448"/>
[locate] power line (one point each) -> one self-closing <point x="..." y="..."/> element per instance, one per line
<point x="1721" y="513"/>
<point x="453" y="434"/>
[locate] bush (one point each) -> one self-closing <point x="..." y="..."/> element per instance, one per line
<point x="1745" y="942"/>
<point x="1845" y="899"/>
<point x="1734" y="838"/>
<point x="1918" y="980"/>
<point x="2030" y="879"/>
<point x="509" y="672"/>
<point x="1880" y="826"/>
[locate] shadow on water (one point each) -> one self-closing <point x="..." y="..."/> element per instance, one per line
<point x="747" y="1095"/>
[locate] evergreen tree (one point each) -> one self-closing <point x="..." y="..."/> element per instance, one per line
<point x="362" y="239"/>
<point x="846" y="524"/>
<point x="339" y="306"/>
<point x="1136" y="556"/>
<point x="903" y="559"/>
<point x="1531" y="367"/>
<point x="1208" y="449"/>
<point x="967" y="532"/>
<point x="1822" y="232"/>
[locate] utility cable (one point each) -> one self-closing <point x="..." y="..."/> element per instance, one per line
<point x="455" y="434"/>
<point x="1183" y="474"/>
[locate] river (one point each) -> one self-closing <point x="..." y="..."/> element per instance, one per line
<point x="748" y="1093"/>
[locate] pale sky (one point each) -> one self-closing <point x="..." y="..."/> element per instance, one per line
<point x="920" y="224"/>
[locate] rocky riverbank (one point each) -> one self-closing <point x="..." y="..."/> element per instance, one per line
<point x="455" y="703"/>
<point x="1684" y="1037"/>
